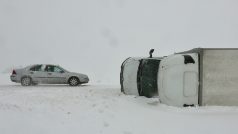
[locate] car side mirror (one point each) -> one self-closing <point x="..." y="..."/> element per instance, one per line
<point x="61" y="71"/>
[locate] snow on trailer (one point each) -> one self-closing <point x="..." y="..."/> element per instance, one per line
<point x="139" y="76"/>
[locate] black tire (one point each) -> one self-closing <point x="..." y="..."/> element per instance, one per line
<point x="26" y="81"/>
<point x="74" y="81"/>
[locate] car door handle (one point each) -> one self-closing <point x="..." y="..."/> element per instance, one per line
<point x="49" y="73"/>
<point x="31" y="72"/>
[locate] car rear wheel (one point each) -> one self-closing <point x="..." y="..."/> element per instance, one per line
<point x="26" y="81"/>
<point x="74" y="81"/>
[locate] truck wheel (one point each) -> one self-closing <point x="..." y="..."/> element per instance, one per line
<point x="74" y="81"/>
<point x="26" y="81"/>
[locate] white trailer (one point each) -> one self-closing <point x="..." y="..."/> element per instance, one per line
<point x="201" y="76"/>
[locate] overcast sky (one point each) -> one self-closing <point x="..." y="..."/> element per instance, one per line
<point x="95" y="36"/>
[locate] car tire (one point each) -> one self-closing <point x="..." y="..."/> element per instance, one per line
<point x="74" y="81"/>
<point x="26" y="81"/>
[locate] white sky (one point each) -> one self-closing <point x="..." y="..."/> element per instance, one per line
<point x="95" y="36"/>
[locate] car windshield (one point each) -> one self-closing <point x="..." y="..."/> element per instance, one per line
<point x="63" y="69"/>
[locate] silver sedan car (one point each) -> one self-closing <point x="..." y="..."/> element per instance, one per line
<point x="47" y="74"/>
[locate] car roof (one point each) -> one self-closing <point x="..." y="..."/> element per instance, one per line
<point x="45" y="64"/>
<point x="40" y="64"/>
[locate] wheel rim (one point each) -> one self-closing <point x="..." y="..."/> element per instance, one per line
<point x="26" y="81"/>
<point x="73" y="81"/>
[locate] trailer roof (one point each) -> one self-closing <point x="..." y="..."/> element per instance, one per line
<point x="199" y="50"/>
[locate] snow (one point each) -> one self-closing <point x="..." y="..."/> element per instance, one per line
<point x="102" y="109"/>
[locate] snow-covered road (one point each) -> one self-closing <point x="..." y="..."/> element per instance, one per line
<point x="101" y="109"/>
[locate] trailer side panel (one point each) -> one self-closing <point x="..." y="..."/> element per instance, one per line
<point x="220" y="77"/>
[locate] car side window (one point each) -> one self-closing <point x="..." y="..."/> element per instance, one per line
<point x="36" y="68"/>
<point x="49" y="68"/>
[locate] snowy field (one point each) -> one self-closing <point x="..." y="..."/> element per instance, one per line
<point x="102" y="109"/>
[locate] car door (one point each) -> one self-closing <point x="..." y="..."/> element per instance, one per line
<point x="55" y="74"/>
<point x="37" y="74"/>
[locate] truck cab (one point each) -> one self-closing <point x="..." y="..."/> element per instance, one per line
<point x="178" y="80"/>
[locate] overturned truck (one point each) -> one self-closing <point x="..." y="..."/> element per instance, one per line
<point x="201" y="76"/>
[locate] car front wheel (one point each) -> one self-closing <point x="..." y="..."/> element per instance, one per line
<point x="26" y="81"/>
<point x="74" y="81"/>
